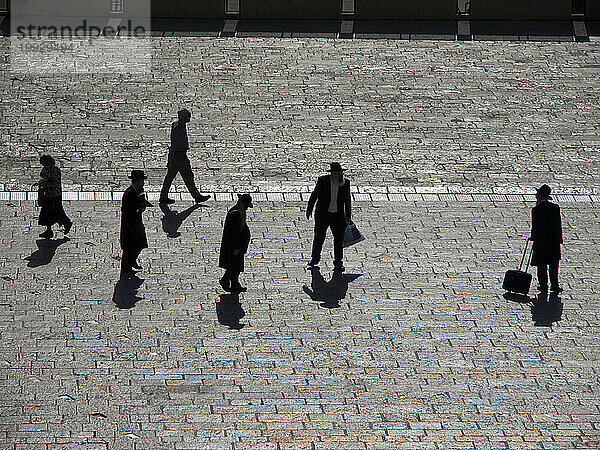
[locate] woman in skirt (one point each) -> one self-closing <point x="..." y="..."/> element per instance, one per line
<point x="50" y="198"/>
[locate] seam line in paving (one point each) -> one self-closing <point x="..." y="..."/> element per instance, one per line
<point x="281" y="196"/>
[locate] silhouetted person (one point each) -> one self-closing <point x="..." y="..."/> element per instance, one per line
<point x="230" y="311"/>
<point x="234" y="245"/>
<point x="546" y="234"/>
<point x="45" y="252"/>
<point x="125" y="295"/>
<point x="133" y="234"/>
<point x="333" y="210"/>
<point x="50" y="198"/>
<point x="330" y="293"/>
<point x="178" y="160"/>
<point x="172" y="220"/>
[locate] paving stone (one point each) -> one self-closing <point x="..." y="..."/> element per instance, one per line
<point x="421" y="352"/>
<point x="416" y="347"/>
<point x="489" y="116"/>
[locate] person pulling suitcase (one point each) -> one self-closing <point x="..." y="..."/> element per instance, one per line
<point x="547" y="237"/>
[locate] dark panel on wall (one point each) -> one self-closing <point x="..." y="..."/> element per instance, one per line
<point x="290" y="9"/>
<point x="193" y="9"/>
<point x="405" y="9"/>
<point x="521" y="9"/>
<point x="3" y="5"/>
<point x="89" y="9"/>
<point x="592" y="10"/>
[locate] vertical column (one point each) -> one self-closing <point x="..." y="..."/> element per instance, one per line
<point x="578" y="17"/>
<point x="116" y="13"/>
<point x="4" y="7"/>
<point x="347" y="24"/>
<point x="232" y="12"/>
<point x="463" y="20"/>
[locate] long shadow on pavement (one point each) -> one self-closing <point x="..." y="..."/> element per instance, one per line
<point x="546" y="310"/>
<point x="518" y="298"/>
<point x="45" y="252"/>
<point x="125" y="295"/>
<point x="230" y="311"/>
<point x="172" y="220"/>
<point x="329" y="293"/>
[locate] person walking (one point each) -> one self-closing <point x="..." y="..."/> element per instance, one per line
<point x="50" y="198"/>
<point x="333" y="210"/>
<point x="133" y="234"/>
<point x="234" y="244"/>
<point x="179" y="162"/>
<point x="546" y="234"/>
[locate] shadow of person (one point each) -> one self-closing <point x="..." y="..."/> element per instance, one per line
<point x="172" y="219"/>
<point x="546" y="310"/>
<point x="230" y="311"/>
<point x="329" y="293"/>
<point x="125" y="295"/>
<point x="518" y="298"/>
<point x="45" y="252"/>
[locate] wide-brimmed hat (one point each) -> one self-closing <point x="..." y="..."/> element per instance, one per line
<point x="183" y="113"/>
<point x="246" y="199"/>
<point x="335" y="167"/>
<point x="544" y="190"/>
<point x="137" y="175"/>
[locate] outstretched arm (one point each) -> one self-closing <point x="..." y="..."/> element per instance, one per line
<point x="348" y="201"/>
<point x="533" y="225"/>
<point x="312" y="200"/>
<point x="559" y="224"/>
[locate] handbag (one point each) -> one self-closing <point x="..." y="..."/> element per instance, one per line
<point x="352" y="235"/>
<point x="42" y="191"/>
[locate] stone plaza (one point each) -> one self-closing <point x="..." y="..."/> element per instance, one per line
<point x="415" y="346"/>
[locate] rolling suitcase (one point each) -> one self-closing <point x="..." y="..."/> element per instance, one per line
<point x="519" y="281"/>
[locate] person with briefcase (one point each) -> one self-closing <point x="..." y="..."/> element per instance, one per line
<point x="546" y="234"/>
<point x="333" y="210"/>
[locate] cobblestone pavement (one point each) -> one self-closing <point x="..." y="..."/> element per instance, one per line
<point x="422" y="350"/>
<point x="414" y="347"/>
<point x="271" y="113"/>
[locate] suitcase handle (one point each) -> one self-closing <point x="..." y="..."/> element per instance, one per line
<point x="524" y="253"/>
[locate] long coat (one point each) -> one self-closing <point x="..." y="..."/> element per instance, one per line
<point x="133" y="233"/>
<point x="235" y="236"/>
<point x="546" y="233"/>
<point x="50" y="198"/>
<point x="50" y="182"/>
<point x="322" y="196"/>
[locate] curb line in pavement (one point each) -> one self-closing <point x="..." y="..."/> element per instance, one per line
<point x="304" y="196"/>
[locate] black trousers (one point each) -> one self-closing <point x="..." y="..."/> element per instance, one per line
<point x="542" y="274"/>
<point x="337" y="223"/>
<point x="130" y="255"/>
<point x="179" y="163"/>
<point x="233" y="276"/>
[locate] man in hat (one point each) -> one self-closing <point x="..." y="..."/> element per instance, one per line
<point x="133" y="234"/>
<point x="234" y="245"/>
<point x="546" y="234"/>
<point x="333" y="209"/>
<point x="178" y="160"/>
